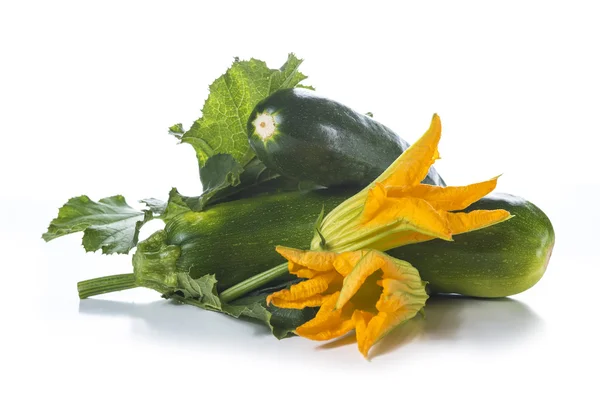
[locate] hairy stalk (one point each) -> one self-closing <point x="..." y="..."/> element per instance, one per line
<point x="105" y="284"/>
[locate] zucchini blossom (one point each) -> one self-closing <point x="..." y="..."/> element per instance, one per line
<point x="396" y="209"/>
<point x="365" y="290"/>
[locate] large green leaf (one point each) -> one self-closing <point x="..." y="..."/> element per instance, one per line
<point x="109" y="224"/>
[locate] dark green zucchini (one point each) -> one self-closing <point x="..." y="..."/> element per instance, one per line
<point x="236" y="240"/>
<point x="310" y="138"/>
<point x="498" y="261"/>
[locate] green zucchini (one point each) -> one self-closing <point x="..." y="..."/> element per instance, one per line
<point x="498" y="261"/>
<point x="310" y="138"/>
<point x="236" y="241"/>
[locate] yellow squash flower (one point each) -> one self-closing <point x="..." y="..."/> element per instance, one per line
<point x="365" y="290"/>
<point x="397" y="209"/>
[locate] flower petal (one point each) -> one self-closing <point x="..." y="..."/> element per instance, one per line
<point x="315" y="260"/>
<point x="376" y="200"/>
<point x="465" y="222"/>
<point x="394" y="270"/>
<point x="303" y="293"/>
<point x="400" y="239"/>
<point x="398" y="270"/>
<point x="328" y="323"/>
<point x="361" y="322"/>
<point x="400" y="301"/>
<point x="379" y="326"/>
<point x="370" y="262"/>
<point x="408" y="213"/>
<point x="345" y="262"/>
<point x="402" y="298"/>
<point x="301" y="272"/>
<point x="313" y="301"/>
<point x="448" y="198"/>
<point x="413" y="165"/>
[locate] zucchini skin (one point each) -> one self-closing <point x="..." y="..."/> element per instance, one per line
<point x="236" y="240"/>
<point x="321" y="141"/>
<point x="498" y="261"/>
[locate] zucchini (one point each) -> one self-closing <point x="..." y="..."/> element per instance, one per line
<point x="310" y="138"/>
<point x="498" y="261"/>
<point x="236" y="240"/>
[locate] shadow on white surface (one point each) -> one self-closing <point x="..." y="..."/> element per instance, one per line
<point x="462" y="321"/>
<point x="467" y="322"/>
<point x="175" y="322"/>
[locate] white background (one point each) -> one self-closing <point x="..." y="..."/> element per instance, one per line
<point x="88" y="89"/>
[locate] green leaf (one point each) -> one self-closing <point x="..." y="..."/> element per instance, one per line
<point x="224" y="179"/>
<point x="286" y="320"/>
<point x="256" y="179"/>
<point x="202" y="293"/>
<point x="156" y="206"/>
<point x="177" y="204"/>
<point x="306" y="87"/>
<point x="232" y="97"/>
<point x="177" y="131"/>
<point x="220" y="172"/>
<point x="109" y="224"/>
<point x="204" y="289"/>
<point x="283" y="321"/>
<point x="288" y="76"/>
<point x="248" y="181"/>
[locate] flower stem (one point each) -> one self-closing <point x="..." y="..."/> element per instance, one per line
<point x="105" y="284"/>
<point x="253" y="283"/>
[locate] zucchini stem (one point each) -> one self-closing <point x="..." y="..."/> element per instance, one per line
<point x="253" y="283"/>
<point x="105" y="284"/>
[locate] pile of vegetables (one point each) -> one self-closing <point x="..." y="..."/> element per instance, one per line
<point x="314" y="219"/>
